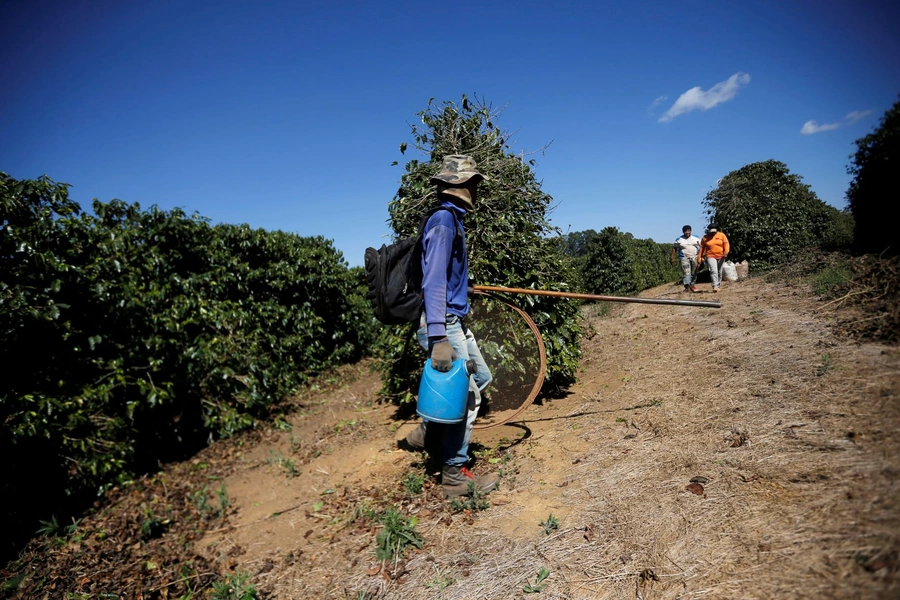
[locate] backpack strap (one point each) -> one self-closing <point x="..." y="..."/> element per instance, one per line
<point x="431" y="212"/>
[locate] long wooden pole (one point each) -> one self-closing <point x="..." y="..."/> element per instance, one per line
<point x="506" y="290"/>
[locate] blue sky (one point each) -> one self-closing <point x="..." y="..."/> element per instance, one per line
<point x="288" y="115"/>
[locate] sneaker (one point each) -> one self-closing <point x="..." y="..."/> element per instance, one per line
<point x="416" y="437"/>
<point x="687" y="288"/>
<point x="455" y="481"/>
<point x="693" y="288"/>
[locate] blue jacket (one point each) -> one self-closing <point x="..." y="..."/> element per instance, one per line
<point x="445" y="268"/>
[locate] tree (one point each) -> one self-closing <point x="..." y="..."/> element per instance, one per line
<point x="509" y="238"/>
<point x="131" y="336"/>
<point x="619" y="264"/>
<point x="876" y="178"/>
<point x="768" y="213"/>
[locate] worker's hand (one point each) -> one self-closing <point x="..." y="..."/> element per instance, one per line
<point x="442" y="356"/>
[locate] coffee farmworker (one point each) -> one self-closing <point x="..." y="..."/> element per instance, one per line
<point x="714" y="249"/>
<point x="688" y="248"/>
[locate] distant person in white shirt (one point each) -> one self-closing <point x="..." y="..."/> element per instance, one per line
<point x="687" y="246"/>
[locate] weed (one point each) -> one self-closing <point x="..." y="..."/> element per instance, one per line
<point x="825" y="366"/>
<point x="296" y="444"/>
<point x="397" y="532"/>
<point x="282" y="424"/>
<point x="348" y="425"/>
<point x="825" y="280"/>
<point x="288" y="465"/>
<point x="50" y="528"/>
<point x="621" y="420"/>
<point x="363" y="511"/>
<point x="13" y="583"/>
<point x="550" y="524"/>
<point x="200" y="498"/>
<point x="54" y="529"/>
<point x="501" y="459"/>
<point x="441" y="579"/>
<point x="234" y="587"/>
<point x="532" y="588"/>
<point x="152" y="526"/>
<point x="224" y="500"/>
<point x="599" y="309"/>
<point x="413" y="482"/>
<point x="476" y="500"/>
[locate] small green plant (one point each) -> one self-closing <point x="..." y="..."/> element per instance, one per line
<point x="442" y="579"/>
<point x="825" y="366"/>
<point x="476" y="500"/>
<point x="200" y="499"/>
<point x="345" y="425"/>
<point x="234" y="587"/>
<point x="288" y="465"/>
<point x="550" y="524"/>
<point x="414" y="482"/>
<point x="54" y="529"/>
<point x="397" y="532"/>
<point x="224" y="500"/>
<point x="537" y="586"/>
<point x="13" y="583"/>
<point x="825" y="280"/>
<point x="500" y="459"/>
<point x="50" y="528"/>
<point x="363" y="511"/>
<point x="152" y="526"/>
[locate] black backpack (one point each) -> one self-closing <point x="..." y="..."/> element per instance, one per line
<point x="394" y="276"/>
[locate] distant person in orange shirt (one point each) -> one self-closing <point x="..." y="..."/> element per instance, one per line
<point x="714" y="248"/>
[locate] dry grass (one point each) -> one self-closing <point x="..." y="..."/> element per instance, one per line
<point x="746" y="452"/>
<point x="792" y="431"/>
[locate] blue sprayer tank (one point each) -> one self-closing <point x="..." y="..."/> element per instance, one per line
<point x="443" y="396"/>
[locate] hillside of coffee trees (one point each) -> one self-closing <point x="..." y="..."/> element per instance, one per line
<point x="132" y="337"/>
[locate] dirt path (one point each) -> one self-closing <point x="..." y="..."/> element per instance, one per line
<point x="789" y="433"/>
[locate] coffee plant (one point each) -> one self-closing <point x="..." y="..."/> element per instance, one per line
<point x="133" y="336"/>
<point x="618" y="264"/>
<point x="768" y="214"/>
<point x="508" y="236"/>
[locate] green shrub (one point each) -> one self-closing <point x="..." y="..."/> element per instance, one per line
<point x="876" y="178"/>
<point x="769" y="214"/>
<point x="615" y="263"/>
<point x="131" y="336"/>
<point x="508" y="237"/>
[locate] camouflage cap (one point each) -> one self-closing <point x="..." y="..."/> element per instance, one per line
<point x="457" y="169"/>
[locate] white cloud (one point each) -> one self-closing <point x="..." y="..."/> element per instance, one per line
<point x="696" y="99"/>
<point x="658" y="101"/>
<point x="856" y="115"/>
<point x="811" y="127"/>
